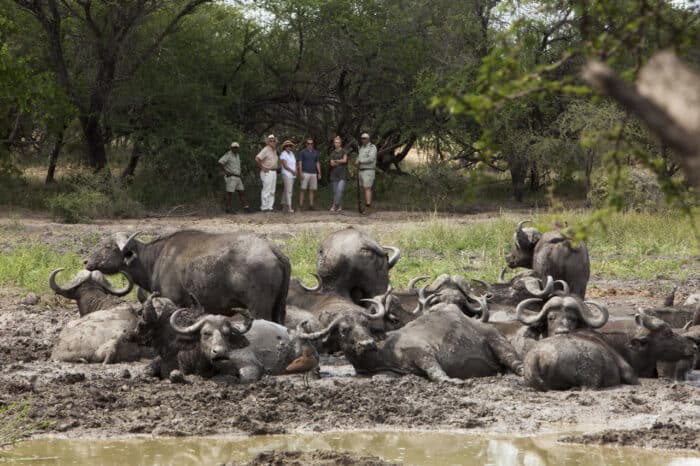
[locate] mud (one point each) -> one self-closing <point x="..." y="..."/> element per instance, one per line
<point x="78" y="400"/>
<point x="668" y="436"/>
<point x="312" y="458"/>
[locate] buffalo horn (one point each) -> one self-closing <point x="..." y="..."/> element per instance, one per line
<point x="532" y="319"/>
<point x="321" y="333"/>
<point x="564" y="286"/>
<point x="422" y="301"/>
<point x="395" y="255"/>
<point x="381" y="310"/>
<point x="521" y="237"/>
<point x="247" y="320"/>
<point x="186" y="330"/>
<point x="122" y="239"/>
<point x="646" y="321"/>
<point x="534" y="286"/>
<point x="318" y="283"/>
<point x="412" y="283"/>
<point x="502" y="276"/>
<point x="595" y="322"/>
<point x="486" y="285"/>
<point x="78" y="280"/>
<point x="104" y="283"/>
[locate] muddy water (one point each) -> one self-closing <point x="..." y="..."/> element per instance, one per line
<point x="425" y="448"/>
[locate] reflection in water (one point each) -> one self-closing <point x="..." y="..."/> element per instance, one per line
<point x="425" y="448"/>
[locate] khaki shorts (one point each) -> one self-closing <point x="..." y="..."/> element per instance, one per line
<point x="309" y="181"/>
<point x="366" y="178"/>
<point x="234" y="183"/>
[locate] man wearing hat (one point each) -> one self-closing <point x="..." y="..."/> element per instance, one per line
<point x="366" y="161"/>
<point x="230" y="164"/>
<point x="289" y="173"/>
<point x="267" y="161"/>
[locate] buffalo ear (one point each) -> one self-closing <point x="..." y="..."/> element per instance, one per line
<point x="238" y="341"/>
<point x="129" y="257"/>
<point x="638" y="343"/>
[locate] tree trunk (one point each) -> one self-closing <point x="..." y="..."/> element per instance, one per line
<point x="53" y="156"/>
<point x="518" y="174"/>
<point x="130" y="169"/>
<point x="534" y="179"/>
<point x="97" y="155"/>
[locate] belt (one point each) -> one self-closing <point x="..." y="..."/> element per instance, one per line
<point x="229" y="176"/>
<point x="365" y="169"/>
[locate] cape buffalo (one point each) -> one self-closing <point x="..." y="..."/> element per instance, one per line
<point x="581" y="358"/>
<point x="223" y="270"/>
<point x="354" y="265"/>
<point x="562" y="313"/>
<point x="553" y="254"/>
<point x="91" y="290"/>
<point x="645" y="341"/>
<point x="442" y="345"/>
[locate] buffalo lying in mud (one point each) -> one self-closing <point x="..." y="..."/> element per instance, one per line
<point x="578" y="359"/>
<point x="90" y="290"/>
<point x="553" y="254"/>
<point x="442" y="345"/>
<point x="354" y="265"/>
<point x="214" y="345"/>
<point x="223" y="270"/>
<point x="106" y="331"/>
<point x="646" y="341"/>
<point x="562" y="313"/>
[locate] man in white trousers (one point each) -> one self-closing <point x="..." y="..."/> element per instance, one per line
<point x="267" y="161"/>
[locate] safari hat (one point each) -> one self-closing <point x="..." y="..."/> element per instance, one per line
<point x="235" y="144"/>
<point x="364" y="136"/>
<point x="287" y="143"/>
<point x="271" y="137"/>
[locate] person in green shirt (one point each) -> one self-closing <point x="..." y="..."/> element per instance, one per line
<point x="366" y="164"/>
<point x="230" y="164"/>
<point x="339" y="173"/>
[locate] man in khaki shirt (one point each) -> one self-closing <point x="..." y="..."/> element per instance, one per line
<point x="267" y="161"/>
<point x="230" y="164"/>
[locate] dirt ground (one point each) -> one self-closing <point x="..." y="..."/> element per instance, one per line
<point x="82" y="400"/>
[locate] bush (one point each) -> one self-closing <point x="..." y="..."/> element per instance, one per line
<point x="640" y="190"/>
<point x="92" y="196"/>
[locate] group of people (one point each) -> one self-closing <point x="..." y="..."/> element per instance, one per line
<point x="306" y="168"/>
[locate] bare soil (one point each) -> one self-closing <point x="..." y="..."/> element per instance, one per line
<point x="82" y="400"/>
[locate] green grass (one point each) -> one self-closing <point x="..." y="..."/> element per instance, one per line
<point x="632" y="246"/>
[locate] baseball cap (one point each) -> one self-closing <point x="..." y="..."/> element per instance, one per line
<point x="235" y="144"/>
<point x="271" y="137"/>
<point x="364" y="136"/>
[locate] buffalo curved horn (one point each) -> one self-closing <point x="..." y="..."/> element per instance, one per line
<point x="532" y="319"/>
<point x="247" y="320"/>
<point x="595" y="322"/>
<point x="104" y="283"/>
<point x="502" y="276"/>
<point x="318" y="284"/>
<point x="412" y="283"/>
<point x="395" y="255"/>
<point x="381" y="309"/>
<point x="321" y="333"/>
<point x="687" y="325"/>
<point x="122" y="239"/>
<point x="489" y="288"/>
<point x="647" y="322"/>
<point x="189" y="330"/>
<point x="564" y="286"/>
<point x="535" y="288"/>
<point x="422" y="301"/>
<point x="521" y="237"/>
<point x="78" y="280"/>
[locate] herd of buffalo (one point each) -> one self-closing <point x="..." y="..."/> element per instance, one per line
<point x="226" y="305"/>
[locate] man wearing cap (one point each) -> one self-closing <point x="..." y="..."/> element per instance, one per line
<point x="310" y="169"/>
<point x="289" y="174"/>
<point x="230" y="164"/>
<point x="267" y="161"/>
<point x="366" y="161"/>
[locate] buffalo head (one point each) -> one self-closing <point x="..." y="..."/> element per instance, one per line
<point x="657" y="340"/>
<point x="563" y="313"/>
<point x="85" y="279"/>
<point x="112" y="254"/>
<point x="455" y="289"/>
<point x="215" y="335"/>
<point x="525" y="240"/>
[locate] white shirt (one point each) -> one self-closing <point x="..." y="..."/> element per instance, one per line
<point x="288" y="156"/>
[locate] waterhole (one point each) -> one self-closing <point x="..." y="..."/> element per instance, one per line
<point x="420" y="448"/>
